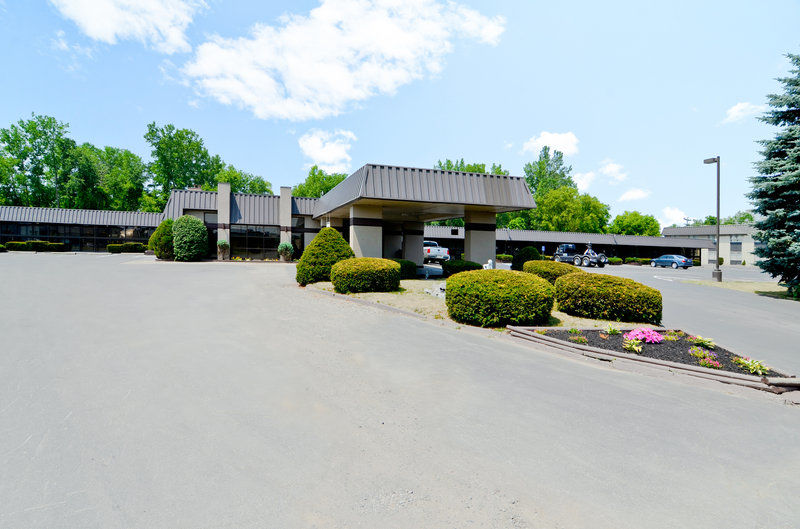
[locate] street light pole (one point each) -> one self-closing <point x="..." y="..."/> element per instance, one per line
<point x="716" y="274"/>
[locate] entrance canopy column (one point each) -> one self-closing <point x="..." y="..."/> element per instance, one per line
<point x="413" y="235"/>
<point x="366" y="233"/>
<point x="479" y="236"/>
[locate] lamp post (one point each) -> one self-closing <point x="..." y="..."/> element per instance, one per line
<point x="716" y="274"/>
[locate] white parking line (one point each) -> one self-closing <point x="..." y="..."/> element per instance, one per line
<point x="663" y="278"/>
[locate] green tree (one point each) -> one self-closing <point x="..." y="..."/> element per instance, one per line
<point x="462" y="166"/>
<point x="635" y="223"/>
<point x="180" y="160"/>
<point x="317" y="183"/>
<point x="776" y="188"/>
<point x="38" y="150"/>
<point x="547" y="173"/>
<point x="740" y="217"/>
<point x="83" y="189"/>
<point x="123" y="178"/>
<point x="240" y="181"/>
<point x="564" y="209"/>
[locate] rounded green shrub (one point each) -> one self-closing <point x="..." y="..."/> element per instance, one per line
<point x="327" y="249"/>
<point x="114" y="248"/>
<point x="365" y="274"/>
<point x="286" y="250"/>
<point x="528" y="253"/>
<point x="454" y="266"/>
<point x="615" y="260"/>
<point x="408" y="269"/>
<point x="18" y="246"/>
<point x="2" y="248"/>
<point x="491" y="298"/>
<point x="126" y="247"/>
<point x="550" y="270"/>
<point x="605" y="297"/>
<point x="503" y="258"/>
<point x="190" y="238"/>
<point x="161" y="240"/>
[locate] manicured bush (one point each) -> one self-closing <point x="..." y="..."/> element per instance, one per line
<point x="455" y="266"/>
<point x="365" y="274"/>
<point x="55" y="247"/>
<point x="37" y="246"/>
<point x="327" y="249"/>
<point x="190" y="238"/>
<point x="2" y="248"/>
<point x="550" y="270"/>
<point x="161" y="241"/>
<point x="17" y="246"/>
<point x="126" y="247"/>
<point x="408" y="269"/>
<point x="615" y="260"/>
<point x="606" y="297"/>
<point x="504" y="258"/>
<point x="528" y="253"/>
<point x="721" y="260"/>
<point x="491" y="298"/>
<point x="285" y="250"/>
<point x="696" y="262"/>
<point x="638" y="260"/>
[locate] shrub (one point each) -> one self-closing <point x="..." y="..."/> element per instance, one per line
<point x="126" y="247"/>
<point x="2" y="248"/>
<point x="455" y="266"/>
<point x="285" y="250"/>
<point x="721" y="260"/>
<point x="365" y="274"/>
<point x="504" y="258"/>
<point x="408" y="269"/>
<point x="223" y="245"/>
<point x="601" y="296"/>
<point x="327" y="249"/>
<point x="190" y="238"/>
<point x="490" y="298"/>
<point x="528" y="253"/>
<point x="615" y="260"/>
<point x="56" y="247"/>
<point x="37" y="246"/>
<point x="696" y="262"/>
<point x="550" y="270"/>
<point x="161" y="240"/>
<point x="17" y="246"/>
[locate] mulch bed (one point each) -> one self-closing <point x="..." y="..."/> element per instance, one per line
<point x="677" y="351"/>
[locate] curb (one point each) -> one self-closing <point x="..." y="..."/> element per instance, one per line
<point x="771" y="384"/>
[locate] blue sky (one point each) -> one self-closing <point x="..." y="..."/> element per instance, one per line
<point x="635" y="94"/>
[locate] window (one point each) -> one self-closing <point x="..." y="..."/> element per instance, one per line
<point x="255" y="242"/>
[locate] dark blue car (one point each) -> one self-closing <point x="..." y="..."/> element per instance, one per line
<point x="675" y="261"/>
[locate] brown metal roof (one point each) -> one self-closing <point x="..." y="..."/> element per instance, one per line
<point x="90" y="217"/>
<point x="724" y="229"/>
<point x="183" y="199"/>
<point x="262" y="210"/>
<point x="407" y="184"/>
<point x="303" y="205"/>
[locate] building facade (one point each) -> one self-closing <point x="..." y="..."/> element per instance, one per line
<point x="736" y="244"/>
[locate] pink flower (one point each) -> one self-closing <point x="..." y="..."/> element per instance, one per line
<point x="644" y="334"/>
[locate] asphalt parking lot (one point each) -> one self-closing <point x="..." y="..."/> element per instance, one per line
<point x="761" y="327"/>
<point x="142" y="394"/>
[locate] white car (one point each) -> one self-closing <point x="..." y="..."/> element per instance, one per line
<point x="433" y="253"/>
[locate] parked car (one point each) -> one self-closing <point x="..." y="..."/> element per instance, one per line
<point x="675" y="261"/>
<point x="568" y="253"/>
<point x="433" y="253"/>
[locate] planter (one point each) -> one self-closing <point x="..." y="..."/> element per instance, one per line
<point x="223" y="254"/>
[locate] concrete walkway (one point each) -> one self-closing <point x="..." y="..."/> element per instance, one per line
<point x="137" y="394"/>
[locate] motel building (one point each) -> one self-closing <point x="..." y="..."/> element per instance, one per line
<point x="380" y="210"/>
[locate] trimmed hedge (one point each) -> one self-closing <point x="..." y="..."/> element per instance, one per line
<point x="721" y="260"/>
<point x="456" y="266"/>
<point x="2" y="248"/>
<point x="550" y="270"/>
<point x="365" y="274"/>
<point x="528" y="253"/>
<point x="189" y="238"/>
<point x="408" y="269"/>
<point x="491" y="298"/>
<point x="327" y="249"/>
<point x="504" y="258"/>
<point x="161" y="241"/>
<point x="696" y="262"/>
<point x="36" y="246"/>
<point x="638" y="260"/>
<point x="615" y="260"/>
<point x="126" y="247"/>
<point x="605" y="297"/>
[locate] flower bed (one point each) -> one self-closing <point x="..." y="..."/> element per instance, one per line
<point x="672" y="346"/>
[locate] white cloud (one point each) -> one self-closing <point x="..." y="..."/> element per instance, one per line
<point x="670" y="216"/>
<point x="583" y="180"/>
<point x="328" y="150"/>
<point x="634" y="194"/>
<point x="343" y="52"/>
<point x="159" y="23"/>
<point x="614" y="171"/>
<point x="741" y="111"/>
<point x="70" y="55"/>
<point x="565" y="142"/>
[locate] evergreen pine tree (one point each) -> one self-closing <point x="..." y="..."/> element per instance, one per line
<point x="776" y="189"/>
